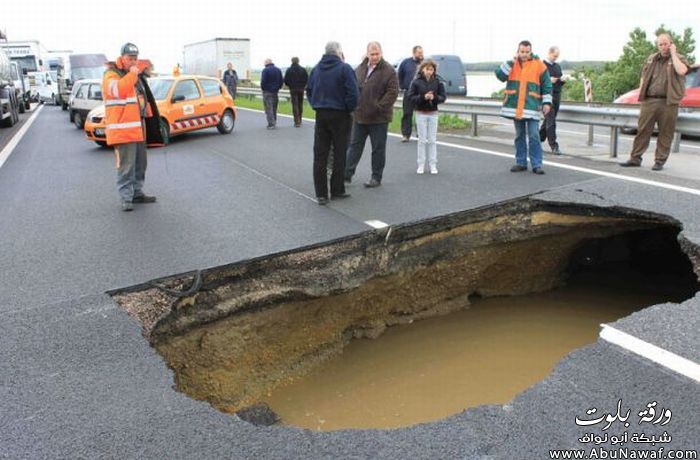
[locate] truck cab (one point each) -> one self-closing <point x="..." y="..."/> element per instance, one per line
<point x="46" y="87"/>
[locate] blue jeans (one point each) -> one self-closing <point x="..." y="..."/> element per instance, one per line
<point x="527" y="131"/>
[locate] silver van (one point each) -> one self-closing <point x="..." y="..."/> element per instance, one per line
<point x="452" y="72"/>
<point x="85" y="96"/>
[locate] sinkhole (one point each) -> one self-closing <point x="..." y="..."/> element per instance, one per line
<point x="465" y="309"/>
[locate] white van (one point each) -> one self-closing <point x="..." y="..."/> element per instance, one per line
<point x="85" y="96"/>
<point x="45" y="86"/>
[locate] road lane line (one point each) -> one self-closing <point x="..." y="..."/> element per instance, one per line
<point x="264" y="176"/>
<point x="664" y="185"/>
<point x="5" y="154"/>
<point x="376" y="224"/>
<point x="637" y="180"/>
<point x="651" y="352"/>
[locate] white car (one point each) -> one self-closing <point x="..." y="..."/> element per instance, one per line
<point x="85" y="96"/>
<point x="45" y="86"/>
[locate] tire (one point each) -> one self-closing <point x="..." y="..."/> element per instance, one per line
<point x="78" y="120"/>
<point x="27" y="104"/>
<point x="64" y="106"/>
<point x="22" y="109"/>
<point x="165" y="131"/>
<point x="70" y="116"/>
<point x="227" y="122"/>
<point x="101" y="143"/>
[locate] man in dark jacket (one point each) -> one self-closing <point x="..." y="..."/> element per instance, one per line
<point x="332" y="92"/>
<point x="230" y="79"/>
<point x="407" y="72"/>
<point x="548" y="130"/>
<point x="295" y="78"/>
<point x="270" y="82"/>
<point x="379" y="89"/>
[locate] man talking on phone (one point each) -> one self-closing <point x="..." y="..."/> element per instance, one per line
<point x="131" y="120"/>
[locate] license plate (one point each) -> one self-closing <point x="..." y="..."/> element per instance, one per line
<point x="99" y="132"/>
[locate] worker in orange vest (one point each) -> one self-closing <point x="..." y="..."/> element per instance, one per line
<point x="131" y="120"/>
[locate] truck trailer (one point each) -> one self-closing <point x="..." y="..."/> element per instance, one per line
<point x="211" y="57"/>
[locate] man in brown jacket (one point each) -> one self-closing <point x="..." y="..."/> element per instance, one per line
<point x="661" y="89"/>
<point x="379" y="88"/>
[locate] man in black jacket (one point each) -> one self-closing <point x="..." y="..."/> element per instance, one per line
<point x="548" y="130"/>
<point x="270" y="82"/>
<point x="295" y="78"/>
<point x="332" y="92"/>
<point x="407" y="72"/>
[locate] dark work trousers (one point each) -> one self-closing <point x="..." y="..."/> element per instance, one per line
<point x="548" y="130"/>
<point x="270" y="100"/>
<point x="377" y="136"/>
<point x="297" y="97"/>
<point x="332" y="129"/>
<point x="653" y="111"/>
<point x="407" y="118"/>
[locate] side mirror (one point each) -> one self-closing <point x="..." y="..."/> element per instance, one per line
<point x="179" y="98"/>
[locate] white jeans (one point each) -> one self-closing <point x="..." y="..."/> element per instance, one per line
<point x="427" y="124"/>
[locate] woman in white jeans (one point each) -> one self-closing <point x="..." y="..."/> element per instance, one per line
<point x="426" y="93"/>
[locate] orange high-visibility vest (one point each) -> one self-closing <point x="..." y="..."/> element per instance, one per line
<point x="122" y="110"/>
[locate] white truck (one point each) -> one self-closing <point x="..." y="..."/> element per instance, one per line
<point x="210" y="57"/>
<point x="9" y="102"/>
<point x="29" y="54"/>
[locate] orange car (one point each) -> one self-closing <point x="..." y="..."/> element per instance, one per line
<point x="186" y="103"/>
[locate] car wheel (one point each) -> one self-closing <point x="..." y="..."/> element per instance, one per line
<point x="101" y="143"/>
<point x="64" y="106"/>
<point x="22" y="109"/>
<point x="70" y="116"/>
<point x="227" y="122"/>
<point x="27" y="105"/>
<point x="78" y="120"/>
<point x="165" y="131"/>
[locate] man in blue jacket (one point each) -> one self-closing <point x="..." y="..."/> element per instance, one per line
<point x="407" y="72"/>
<point x="332" y="92"/>
<point x="270" y="82"/>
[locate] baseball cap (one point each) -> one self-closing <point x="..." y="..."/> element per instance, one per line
<point x="130" y="49"/>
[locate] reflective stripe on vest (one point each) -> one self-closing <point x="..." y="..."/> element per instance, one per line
<point x="128" y="100"/>
<point x="131" y="124"/>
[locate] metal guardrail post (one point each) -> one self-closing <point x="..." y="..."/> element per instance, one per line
<point x="614" y="134"/>
<point x="590" y="136"/>
<point x="676" y="146"/>
<point x="475" y="119"/>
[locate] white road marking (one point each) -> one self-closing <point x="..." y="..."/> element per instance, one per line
<point x="651" y="352"/>
<point x="376" y="224"/>
<point x="5" y="154"/>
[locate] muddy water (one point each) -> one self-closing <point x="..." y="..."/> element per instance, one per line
<point x="433" y="368"/>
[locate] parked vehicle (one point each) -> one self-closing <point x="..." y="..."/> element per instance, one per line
<point x="452" y="72"/>
<point x="29" y="55"/>
<point x="691" y="98"/>
<point x="186" y="103"/>
<point x="21" y="84"/>
<point x="86" y="95"/>
<point x="210" y="57"/>
<point x="78" y="67"/>
<point x="46" y="87"/>
<point x="9" y="102"/>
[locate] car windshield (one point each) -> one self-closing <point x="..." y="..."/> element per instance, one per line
<point x="82" y="73"/>
<point x="160" y="87"/>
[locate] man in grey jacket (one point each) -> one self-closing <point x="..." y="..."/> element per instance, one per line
<point x="379" y="88"/>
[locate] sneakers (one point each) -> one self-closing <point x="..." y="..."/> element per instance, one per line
<point x="433" y="170"/>
<point x="127" y="206"/>
<point x="322" y="200"/>
<point x="373" y="183"/>
<point x="518" y="168"/>
<point x="631" y="163"/>
<point x="144" y="199"/>
<point x="658" y="166"/>
<point x="405" y="139"/>
<point x="539" y="171"/>
<point x="420" y="170"/>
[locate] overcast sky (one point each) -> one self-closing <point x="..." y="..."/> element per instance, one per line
<point x="477" y="31"/>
